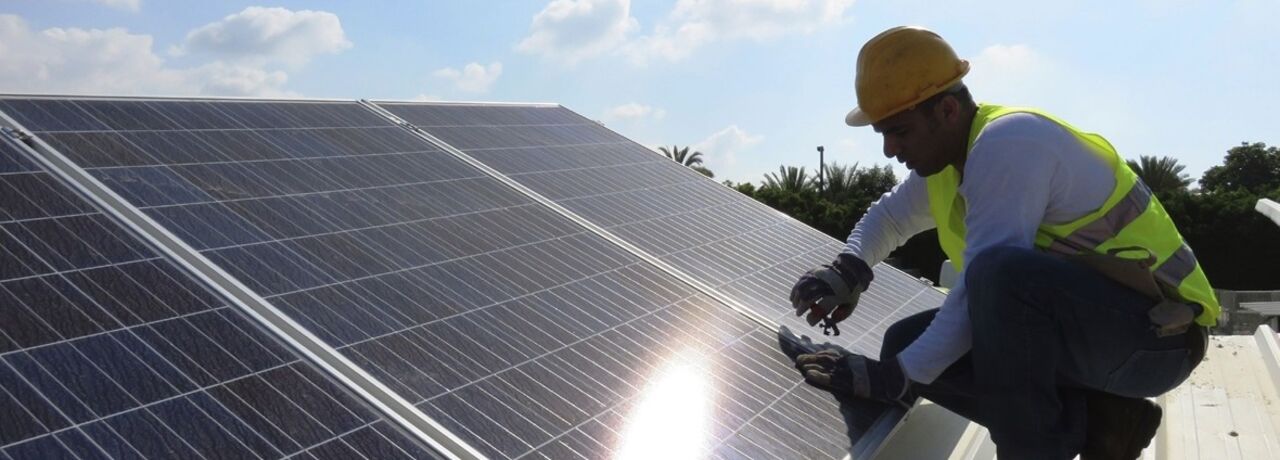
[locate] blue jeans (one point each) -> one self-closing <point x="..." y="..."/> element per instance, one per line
<point x="1046" y="333"/>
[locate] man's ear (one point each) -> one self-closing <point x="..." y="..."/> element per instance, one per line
<point x="949" y="109"/>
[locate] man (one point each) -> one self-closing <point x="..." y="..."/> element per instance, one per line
<point x="1078" y="297"/>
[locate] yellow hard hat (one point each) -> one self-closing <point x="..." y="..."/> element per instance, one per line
<point x="900" y="68"/>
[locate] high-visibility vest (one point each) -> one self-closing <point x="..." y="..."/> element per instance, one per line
<point x="1131" y="217"/>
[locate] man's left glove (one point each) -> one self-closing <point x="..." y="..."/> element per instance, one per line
<point x="839" y="371"/>
<point x="831" y="289"/>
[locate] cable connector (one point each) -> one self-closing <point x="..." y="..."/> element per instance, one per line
<point x="16" y="134"/>
<point x="829" y="327"/>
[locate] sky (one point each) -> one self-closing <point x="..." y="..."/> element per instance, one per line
<point x="752" y="84"/>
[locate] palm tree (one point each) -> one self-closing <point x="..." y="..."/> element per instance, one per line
<point x="1162" y="175"/>
<point x="788" y="179"/>
<point x="840" y="179"/>
<point x="847" y="181"/>
<point x="691" y="160"/>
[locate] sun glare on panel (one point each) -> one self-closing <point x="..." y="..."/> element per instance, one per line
<point x="673" y="418"/>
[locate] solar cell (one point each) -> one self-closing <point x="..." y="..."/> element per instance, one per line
<point x="518" y="329"/>
<point x="743" y="249"/>
<point x="109" y="350"/>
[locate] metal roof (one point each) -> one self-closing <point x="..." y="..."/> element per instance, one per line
<point x="1270" y="209"/>
<point x="1271" y="308"/>
<point x="1227" y="409"/>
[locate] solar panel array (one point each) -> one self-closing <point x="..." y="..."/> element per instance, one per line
<point x="519" y="330"/>
<point x="744" y="249"/>
<point x="109" y="350"/>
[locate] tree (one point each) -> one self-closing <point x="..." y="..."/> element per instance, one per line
<point x="841" y="179"/>
<point x="873" y="181"/>
<point x="745" y="188"/>
<point x="1236" y="246"/>
<point x="1254" y="168"/>
<point x="857" y="186"/>
<point x="691" y="160"/>
<point x="850" y="192"/>
<point x="1162" y="175"/>
<point x="788" y="179"/>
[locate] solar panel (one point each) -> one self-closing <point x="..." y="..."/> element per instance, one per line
<point x="519" y="330"/>
<point x="743" y="249"/>
<point x="109" y="350"/>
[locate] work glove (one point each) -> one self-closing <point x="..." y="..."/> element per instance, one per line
<point x="839" y="371"/>
<point x="830" y="292"/>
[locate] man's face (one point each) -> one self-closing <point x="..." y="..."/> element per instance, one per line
<point x="917" y="138"/>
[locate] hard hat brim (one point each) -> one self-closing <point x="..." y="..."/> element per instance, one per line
<point x="857" y="117"/>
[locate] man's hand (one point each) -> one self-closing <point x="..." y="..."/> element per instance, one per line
<point x="839" y="371"/>
<point x="831" y="290"/>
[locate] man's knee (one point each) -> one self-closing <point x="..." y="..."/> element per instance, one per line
<point x="995" y="263"/>
<point x="995" y="279"/>
<point x="902" y="333"/>
<point x="998" y="266"/>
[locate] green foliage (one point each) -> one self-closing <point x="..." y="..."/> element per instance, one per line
<point x="788" y="179"/>
<point x="850" y="191"/>
<point x="1162" y="175"/>
<point x="1236" y="246"/>
<point x="1254" y="168"/>
<point x="840" y="179"/>
<point x="691" y="160"/>
<point x="861" y="186"/>
<point x="745" y="188"/>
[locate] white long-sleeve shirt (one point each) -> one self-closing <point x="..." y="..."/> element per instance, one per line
<point x="1023" y="171"/>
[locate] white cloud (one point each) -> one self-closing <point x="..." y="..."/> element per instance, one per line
<point x="424" y="97"/>
<point x="760" y="19"/>
<point x="578" y="29"/>
<point x="81" y="61"/>
<point x="1003" y="58"/>
<point x="848" y="144"/>
<point x="473" y="78"/>
<point x="260" y="35"/>
<point x="116" y="61"/>
<point x="695" y="23"/>
<point x="673" y="43"/>
<point x="634" y="111"/>
<point x="237" y="80"/>
<point x="572" y="30"/>
<point x="1013" y="74"/>
<point x="130" y="5"/>
<point x="722" y="148"/>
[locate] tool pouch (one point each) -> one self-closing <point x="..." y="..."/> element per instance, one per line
<point x="1172" y="317"/>
<point x="1169" y="316"/>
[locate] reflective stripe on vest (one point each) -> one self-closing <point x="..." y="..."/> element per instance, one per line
<point x="1177" y="267"/>
<point x="1093" y="234"/>
<point x="1130" y="218"/>
<point x="1088" y="237"/>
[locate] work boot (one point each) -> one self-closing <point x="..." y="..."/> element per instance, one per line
<point x="1118" y="428"/>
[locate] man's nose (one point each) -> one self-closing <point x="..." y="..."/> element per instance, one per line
<point x="891" y="148"/>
